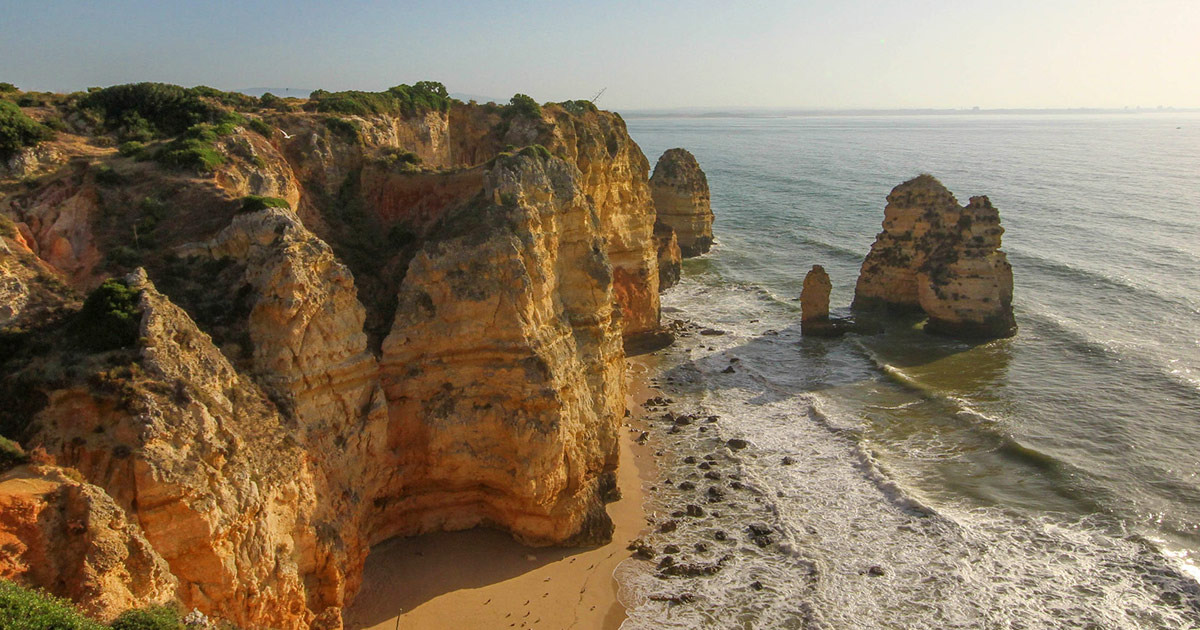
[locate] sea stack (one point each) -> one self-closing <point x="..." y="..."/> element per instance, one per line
<point x="680" y="192"/>
<point x="814" y="302"/>
<point x="937" y="257"/>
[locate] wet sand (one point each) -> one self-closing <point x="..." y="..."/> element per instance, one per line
<point x="483" y="579"/>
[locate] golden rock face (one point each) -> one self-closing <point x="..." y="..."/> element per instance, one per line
<point x="258" y="442"/>
<point x="942" y="259"/>
<point x="681" y="196"/>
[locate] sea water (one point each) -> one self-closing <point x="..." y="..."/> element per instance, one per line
<point x="1044" y="481"/>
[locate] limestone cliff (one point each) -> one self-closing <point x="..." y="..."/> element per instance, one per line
<point x="940" y="258"/>
<point x="669" y="256"/>
<point x="681" y="198"/>
<point x="429" y="339"/>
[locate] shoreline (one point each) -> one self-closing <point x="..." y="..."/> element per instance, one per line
<point x="482" y="578"/>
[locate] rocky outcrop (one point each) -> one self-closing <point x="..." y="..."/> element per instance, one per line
<point x="814" y="302"/>
<point x="681" y="199"/>
<point x="73" y="540"/>
<point x="940" y="258"/>
<point x="504" y="366"/>
<point x="256" y="466"/>
<point x="669" y="257"/>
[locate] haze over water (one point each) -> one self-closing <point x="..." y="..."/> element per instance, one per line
<point x="1048" y="480"/>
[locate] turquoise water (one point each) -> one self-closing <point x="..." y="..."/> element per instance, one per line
<point x="1047" y="480"/>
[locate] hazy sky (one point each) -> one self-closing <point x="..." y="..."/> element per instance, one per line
<point x="807" y="54"/>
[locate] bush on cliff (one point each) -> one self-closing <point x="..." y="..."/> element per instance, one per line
<point x="27" y="609"/>
<point x="151" y="618"/>
<point x="18" y="131"/>
<point x="254" y="203"/>
<point x="164" y="108"/>
<point x="523" y="106"/>
<point x="11" y="455"/>
<point x="407" y="100"/>
<point x="109" y="318"/>
<point x="195" y="149"/>
<point x="260" y="127"/>
<point x="579" y="107"/>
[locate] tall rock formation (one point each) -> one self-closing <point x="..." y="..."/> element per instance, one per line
<point x="669" y="256"/>
<point x="814" y="302"/>
<point x="940" y="258"/>
<point x="681" y="199"/>
<point x="408" y="349"/>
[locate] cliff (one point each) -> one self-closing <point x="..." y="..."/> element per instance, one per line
<point x="937" y="257"/>
<point x="416" y="325"/>
<point x="680" y="191"/>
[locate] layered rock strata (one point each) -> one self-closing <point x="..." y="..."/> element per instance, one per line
<point x="814" y="302"/>
<point x="937" y="257"/>
<point x="255" y="467"/>
<point x="681" y="198"/>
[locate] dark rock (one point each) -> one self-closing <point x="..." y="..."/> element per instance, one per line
<point x="695" y="511"/>
<point x="713" y="475"/>
<point x="715" y="494"/>
<point x="756" y="585"/>
<point x="687" y="485"/>
<point x="641" y="439"/>
<point x="737" y="444"/>
<point x="682" y="598"/>
<point x="875" y="571"/>
<point x="788" y="461"/>
<point x="647" y="342"/>
<point x="667" y="561"/>
<point x="671" y="549"/>
<point x="729" y="370"/>
<point x="759" y="529"/>
<point x="668" y="527"/>
<point x="700" y="547"/>
<point x="704" y="466"/>
<point x="720" y="535"/>
<point x="690" y="459"/>
<point x="712" y="332"/>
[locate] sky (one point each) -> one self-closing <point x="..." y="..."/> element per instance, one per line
<point x="839" y="54"/>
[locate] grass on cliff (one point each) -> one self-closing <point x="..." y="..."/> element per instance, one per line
<point x="11" y="456"/>
<point x="18" y="131"/>
<point x="26" y="609"/>
<point x="254" y="203"/>
<point x="195" y="149"/>
<point x="406" y="100"/>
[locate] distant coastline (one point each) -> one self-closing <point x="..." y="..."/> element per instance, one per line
<point x="691" y="112"/>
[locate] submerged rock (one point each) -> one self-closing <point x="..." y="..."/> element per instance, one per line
<point x="937" y="257"/>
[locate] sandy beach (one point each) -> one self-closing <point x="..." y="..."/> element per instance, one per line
<point x="483" y="579"/>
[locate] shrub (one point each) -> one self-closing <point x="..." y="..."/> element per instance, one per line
<point x="11" y="454"/>
<point x="166" y="108"/>
<point x="106" y="176"/>
<point x="229" y="123"/>
<point x="579" y="107"/>
<point x="346" y="129"/>
<point x="27" y="609"/>
<point x="6" y="87"/>
<point x="235" y="100"/>
<point x="150" y="618"/>
<point x="254" y="203"/>
<point x="523" y="106"/>
<point x="123" y="256"/>
<point x="133" y="149"/>
<point x="537" y="151"/>
<point x="109" y="318"/>
<point x="193" y="150"/>
<point x="407" y="100"/>
<point x="271" y="101"/>
<point x="18" y="131"/>
<point x="395" y="156"/>
<point x="260" y="127"/>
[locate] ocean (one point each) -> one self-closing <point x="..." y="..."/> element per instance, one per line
<point x="1049" y="480"/>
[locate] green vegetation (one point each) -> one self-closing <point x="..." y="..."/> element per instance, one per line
<point x="109" y="318"/>
<point x="523" y="106"/>
<point x="136" y="109"/>
<point x="6" y="87"/>
<point x="536" y="151"/>
<point x="391" y="157"/>
<point x="232" y="100"/>
<point x="260" y="127"/>
<point x="134" y="149"/>
<point x="11" y="456"/>
<point x="348" y="130"/>
<point x="194" y="149"/>
<point x="106" y="176"/>
<point x="151" y="618"/>
<point x="26" y="609"/>
<point x="407" y="100"/>
<point x="579" y="107"/>
<point x="254" y="203"/>
<point x="7" y="229"/>
<point x="18" y="131"/>
<point x="123" y="256"/>
<point x="270" y="101"/>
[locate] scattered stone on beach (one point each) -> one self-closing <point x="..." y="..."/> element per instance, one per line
<point x="713" y="475"/>
<point x="698" y="569"/>
<point x="700" y="547"/>
<point x="875" y="571"/>
<point x="729" y="370"/>
<point x="715" y="494"/>
<point x="668" y="527"/>
<point x="687" y="485"/>
<point x="756" y="585"/>
<point x="736" y="444"/>
<point x="641" y="439"/>
<point x="667" y="561"/>
<point x="712" y="332"/>
<point x="759" y="529"/>
<point x="671" y="549"/>
<point x="683" y="421"/>
<point x="713" y="418"/>
<point x="720" y="535"/>
<point x="682" y="598"/>
<point x="788" y="460"/>
<point x="690" y="459"/>
<point x="694" y="511"/>
<point x="704" y="466"/>
<point x="737" y="485"/>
